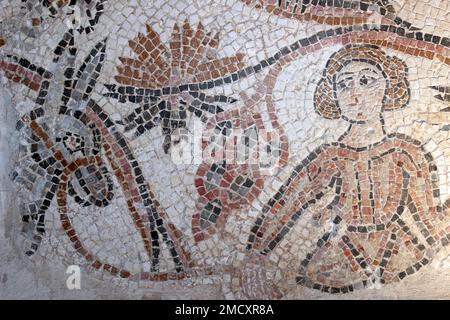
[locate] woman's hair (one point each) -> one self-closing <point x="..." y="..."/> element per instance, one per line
<point x="394" y="70"/>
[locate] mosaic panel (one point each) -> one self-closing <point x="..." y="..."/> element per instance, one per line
<point x="271" y="149"/>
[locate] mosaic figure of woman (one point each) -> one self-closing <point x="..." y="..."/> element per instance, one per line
<point x="372" y="197"/>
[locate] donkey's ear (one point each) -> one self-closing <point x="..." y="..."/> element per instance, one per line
<point x="88" y="73"/>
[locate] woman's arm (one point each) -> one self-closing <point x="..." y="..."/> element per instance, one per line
<point x="306" y="185"/>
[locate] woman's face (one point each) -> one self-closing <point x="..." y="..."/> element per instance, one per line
<point x="360" y="88"/>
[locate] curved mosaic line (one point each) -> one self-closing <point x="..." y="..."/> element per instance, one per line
<point x="413" y="43"/>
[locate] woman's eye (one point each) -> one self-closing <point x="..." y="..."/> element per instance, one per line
<point x="344" y="84"/>
<point x="367" y="80"/>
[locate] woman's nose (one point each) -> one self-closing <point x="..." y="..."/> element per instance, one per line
<point x="353" y="98"/>
<point x="356" y="93"/>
